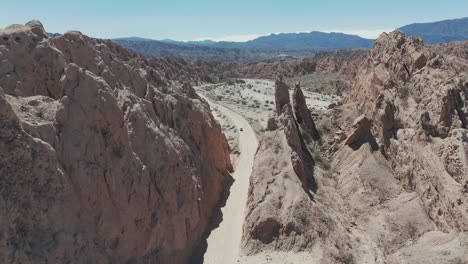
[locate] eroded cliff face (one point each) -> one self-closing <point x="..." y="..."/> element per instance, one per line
<point x="417" y="101"/>
<point x="103" y="157"/>
<point x="395" y="188"/>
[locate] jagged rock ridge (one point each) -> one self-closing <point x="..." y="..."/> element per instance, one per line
<point x="418" y="102"/>
<point x="396" y="187"/>
<point x="103" y="158"/>
<point x="302" y="112"/>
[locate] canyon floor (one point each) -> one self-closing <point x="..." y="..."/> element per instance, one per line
<point x="224" y="241"/>
<point x="242" y="109"/>
<point x="254" y="99"/>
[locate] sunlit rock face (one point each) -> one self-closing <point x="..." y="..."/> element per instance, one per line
<point x="104" y="156"/>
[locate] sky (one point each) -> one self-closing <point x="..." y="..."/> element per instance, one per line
<point x="228" y="20"/>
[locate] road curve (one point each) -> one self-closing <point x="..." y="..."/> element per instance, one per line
<point x="224" y="241"/>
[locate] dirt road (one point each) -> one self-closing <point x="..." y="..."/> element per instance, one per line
<point x="224" y="241"/>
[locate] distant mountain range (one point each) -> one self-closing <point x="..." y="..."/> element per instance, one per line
<point x="292" y="41"/>
<point x="271" y="47"/>
<point x="286" y="45"/>
<point x="439" y="32"/>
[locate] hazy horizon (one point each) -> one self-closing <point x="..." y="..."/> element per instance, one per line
<point x="240" y="20"/>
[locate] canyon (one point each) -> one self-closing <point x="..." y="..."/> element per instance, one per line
<point x="354" y="156"/>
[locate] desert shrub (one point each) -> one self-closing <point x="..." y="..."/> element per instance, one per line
<point x="277" y="147"/>
<point x="403" y="92"/>
<point x="411" y="230"/>
<point x="458" y="261"/>
<point x="320" y="161"/>
<point x="306" y="135"/>
<point x="348" y="258"/>
<point x="337" y="113"/>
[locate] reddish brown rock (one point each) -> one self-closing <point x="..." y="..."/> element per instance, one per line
<point x="103" y="158"/>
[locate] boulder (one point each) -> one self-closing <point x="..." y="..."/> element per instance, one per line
<point x="361" y="133"/>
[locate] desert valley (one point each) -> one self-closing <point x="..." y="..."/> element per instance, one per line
<point x="289" y="148"/>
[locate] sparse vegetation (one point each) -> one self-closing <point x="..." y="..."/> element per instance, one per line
<point x="337" y="112"/>
<point x="411" y="229"/>
<point x="348" y="258"/>
<point x="320" y="161"/>
<point x="458" y="261"/>
<point x="403" y="92"/>
<point x="316" y="156"/>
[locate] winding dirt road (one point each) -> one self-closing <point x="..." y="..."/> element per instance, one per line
<point x="224" y="241"/>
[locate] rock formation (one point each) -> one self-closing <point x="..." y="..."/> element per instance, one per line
<point x="396" y="187"/>
<point x="281" y="95"/>
<point x="103" y="158"/>
<point x="302" y="113"/>
<point x="417" y="100"/>
<point x="325" y="72"/>
<point x="281" y="185"/>
<point x="283" y="213"/>
<point x="361" y="133"/>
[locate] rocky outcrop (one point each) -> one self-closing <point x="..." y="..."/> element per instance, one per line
<point x="281" y="95"/>
<point x="458" y="49"/>
<point x="103" y="157"/>
<point x="417" y="101"/>
<point x="293" y="207"/>
<point x="281" y="185"/>
<point x="361" y="133"/>
<point x="302" y="113"/>
<point x="395" y="190"/>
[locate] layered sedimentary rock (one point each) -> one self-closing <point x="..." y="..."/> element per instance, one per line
<point x="103" y="158"/>
<point x="302" y="112"/>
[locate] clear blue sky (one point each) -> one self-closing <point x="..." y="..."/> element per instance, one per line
<point x="225" y="19"/>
